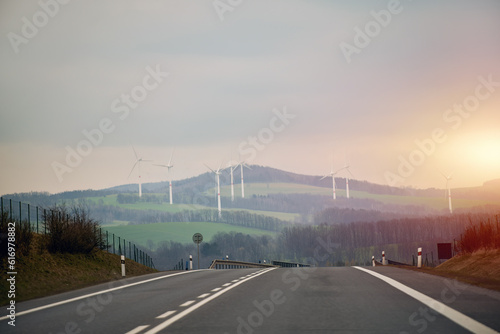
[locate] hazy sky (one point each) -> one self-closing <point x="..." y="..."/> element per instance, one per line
<point x="399" y="89"/>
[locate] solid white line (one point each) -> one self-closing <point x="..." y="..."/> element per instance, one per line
<point x="181" y="315"/>
<point x="216" y="289"/>
<point x="137" y="330"/>
<point x="166" y="314"/>
<point x="92" y="294"/>
<point x="455" y="316"/>
<point x="189" y="302"/>
<point x="203" y="295"/>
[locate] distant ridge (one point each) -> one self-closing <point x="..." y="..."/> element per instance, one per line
<point x="261" y="174"/>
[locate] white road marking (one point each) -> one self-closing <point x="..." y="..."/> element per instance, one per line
<point x="181" y="315"/>
<point x="216" y="289"/>
<point x="234" y="281"/>
<point x="189" y="302"/>
<point x="138" y="329"/>
<point x="455" y="316"/>
<point x="203" y="295"/>
<point x="226" y="284"/>
<point x="166" y="314"/>
<point x="94" y="294"/>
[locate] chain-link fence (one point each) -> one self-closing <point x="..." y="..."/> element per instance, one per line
<point x="24" y="213"/>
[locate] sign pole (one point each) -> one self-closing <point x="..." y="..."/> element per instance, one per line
<point x="197" y="239"/>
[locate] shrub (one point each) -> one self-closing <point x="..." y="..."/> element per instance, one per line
<point x="71" y="231"/>
<point x="485" y="235"/>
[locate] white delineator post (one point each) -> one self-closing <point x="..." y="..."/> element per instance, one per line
<point x="373" y="260"/>
<point x="419" y="259"/>
<point x="383" y="258"/>
<point x="190" y="262"/>
<point x="122" y="257"/>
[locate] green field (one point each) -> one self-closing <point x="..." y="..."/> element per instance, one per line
<point x="179" y="232"/>
<point x="291" y="188"/>
<point x="167" y="207"/>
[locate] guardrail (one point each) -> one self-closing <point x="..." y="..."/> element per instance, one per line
<point x="284" y="264"/>
<point x="230" y="264"/>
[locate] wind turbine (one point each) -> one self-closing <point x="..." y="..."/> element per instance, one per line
<point x="168" y="166"/>
<point x="346" y="167"/>
<point x="217" y="174"/>
<point x="243" y="164"/>
<point x="448" y="178"/>
<point x="232" y="168"/>
<point x="332" y="174"/>
<point x="138" y="164"/>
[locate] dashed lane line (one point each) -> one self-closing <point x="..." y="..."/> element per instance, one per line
<point x="165" y="315"/>
<point x="137" y="329"/>
<point x="93" y="294"/>
<point x="184" y="313"/>
<point x="189" y="302"/>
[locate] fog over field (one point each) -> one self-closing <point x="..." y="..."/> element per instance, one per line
<point x="401" y="90"/>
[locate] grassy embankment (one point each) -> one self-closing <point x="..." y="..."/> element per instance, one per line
<point x="43" y="274"/>
<point x="481" y="268"/>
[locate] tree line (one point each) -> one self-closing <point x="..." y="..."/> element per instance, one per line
<point x="330" y="244"/>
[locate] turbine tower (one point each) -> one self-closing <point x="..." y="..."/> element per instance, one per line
<point x="138" y="164"/>
<point x="243" y="164"/>
<point x="232" y="168"/>
<point x="346" y="167"/>
<point x="217" y="174"/>
<point x="332" y="174"/>
<point x="168" y="166"/>
<point x="448" y="178"/>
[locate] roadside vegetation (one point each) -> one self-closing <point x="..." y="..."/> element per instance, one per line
<point x="68" y="256"/>
<point x="482" y="236"/>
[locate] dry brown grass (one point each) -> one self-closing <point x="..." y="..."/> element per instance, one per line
<point x="42" y="273"/>
<point x="480" y="268"/>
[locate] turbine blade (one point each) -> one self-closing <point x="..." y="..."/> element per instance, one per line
<point x="220" y="166"/>
<point x="170" y="161"/>
<point x="133" y="167"/>
<point x="135" y="153"/>
<point x="210" y="168"/>
<point x="349" y="171"/>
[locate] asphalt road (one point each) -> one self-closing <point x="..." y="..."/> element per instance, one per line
<point x="296" y="300"/>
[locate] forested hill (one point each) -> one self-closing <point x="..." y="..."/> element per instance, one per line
<point x="260" y="174"/>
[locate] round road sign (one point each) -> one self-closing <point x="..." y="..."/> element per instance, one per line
<point x="197" y="238"/>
